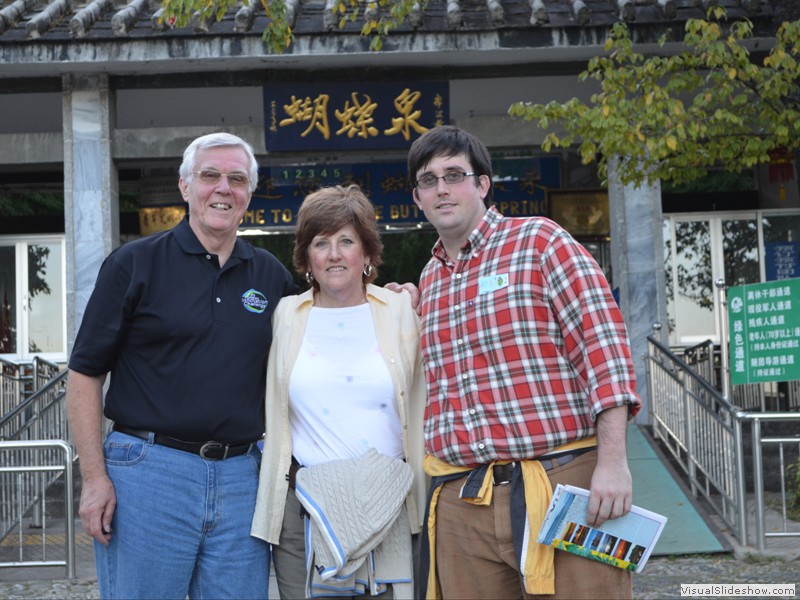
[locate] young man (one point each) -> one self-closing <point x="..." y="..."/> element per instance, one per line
<point x="182" y="321"/>
<point x="530" y="384"/>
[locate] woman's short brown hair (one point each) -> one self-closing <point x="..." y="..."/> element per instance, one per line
<point x="329" y="209"/>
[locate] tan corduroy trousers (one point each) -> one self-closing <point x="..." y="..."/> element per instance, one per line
<point x="475" y="551"/>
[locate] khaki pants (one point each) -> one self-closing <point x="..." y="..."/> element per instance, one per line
<point x="475" y="551"/>
<point x="290" y="556"/>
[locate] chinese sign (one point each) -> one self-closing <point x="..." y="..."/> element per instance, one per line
<point x="353" y="115"/>
<point x="780" y="260"/>
<point x="764" y="323"/>
<point x="281" y="190"/>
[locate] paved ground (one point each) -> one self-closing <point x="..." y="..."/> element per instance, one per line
<point x="661" y="578"/>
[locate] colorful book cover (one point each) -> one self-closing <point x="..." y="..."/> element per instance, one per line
<point x="626" y="542"/>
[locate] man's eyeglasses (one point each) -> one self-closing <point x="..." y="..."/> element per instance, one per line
<point x="429" y="181"/>
<point x="212" y="177"/>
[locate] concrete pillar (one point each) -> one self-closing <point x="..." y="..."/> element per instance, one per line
<point x="637" y="262"/>
<point x="91" y="197"/>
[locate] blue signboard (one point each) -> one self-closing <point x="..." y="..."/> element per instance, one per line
<point x="519" y="190"/>
<point x="353" y="115"/>
<point x="781" y="260"/>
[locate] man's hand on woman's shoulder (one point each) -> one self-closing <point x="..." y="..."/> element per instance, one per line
<point x="410" y="288"/>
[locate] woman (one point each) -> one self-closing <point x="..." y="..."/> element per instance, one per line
<point x="344" y="380"/>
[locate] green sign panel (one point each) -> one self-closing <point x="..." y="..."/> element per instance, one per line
<point x="764" y="324"/>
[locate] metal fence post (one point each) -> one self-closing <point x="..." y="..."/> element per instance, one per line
<point x="725" y="369"/>
<point x="741" y="503"/>
<point x="758" y="483"/>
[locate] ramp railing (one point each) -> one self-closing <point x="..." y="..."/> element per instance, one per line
<point x="705" y="434"/>
<point x="35" y="452"/>
<point x="25" y="469"/>
<point x="699" y="428"/>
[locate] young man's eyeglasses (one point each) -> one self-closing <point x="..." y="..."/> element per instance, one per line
<point x="429" y="181"/>
<point x="212" y="177"/>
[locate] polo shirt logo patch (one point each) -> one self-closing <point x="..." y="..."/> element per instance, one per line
<point x="492" y="283"/>
<point x="254" y="301"/>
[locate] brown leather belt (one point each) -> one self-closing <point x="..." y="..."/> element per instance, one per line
<point x="291" y="477"/>
<point x="208" y="450"/>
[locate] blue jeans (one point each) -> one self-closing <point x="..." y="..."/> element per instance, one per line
<point x="181" y="526"/>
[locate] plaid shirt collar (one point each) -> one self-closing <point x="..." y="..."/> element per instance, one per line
<point x="476" y="240"/>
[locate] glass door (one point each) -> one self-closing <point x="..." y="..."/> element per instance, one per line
<point x="33" y="312"/>
<point x="699" y="250"/>
<point x="689" y="278"/>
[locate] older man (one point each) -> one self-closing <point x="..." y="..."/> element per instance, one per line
<point x="181" y="321"/>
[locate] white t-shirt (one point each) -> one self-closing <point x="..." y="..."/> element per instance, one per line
<point x="341" y="394"/>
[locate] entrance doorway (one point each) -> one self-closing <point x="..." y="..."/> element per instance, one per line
<point x="738" y="248"/>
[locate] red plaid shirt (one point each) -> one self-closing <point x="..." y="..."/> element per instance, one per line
<point x="523" y="342"/>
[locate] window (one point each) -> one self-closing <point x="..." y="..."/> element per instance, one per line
<point x="739" y="248"/>
<point x="32" y="298"/>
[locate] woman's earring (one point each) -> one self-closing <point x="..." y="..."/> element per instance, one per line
<point x="367" y="270"/>
<point x="309" y="277"/>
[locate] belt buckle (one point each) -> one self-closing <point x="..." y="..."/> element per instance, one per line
<point x="501" y="474"/>
<point x="214" y="447"/>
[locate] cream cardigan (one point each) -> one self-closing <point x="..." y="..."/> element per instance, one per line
<point x="397" y="329"/>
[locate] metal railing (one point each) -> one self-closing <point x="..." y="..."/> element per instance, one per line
<point x="19" y="381"/>
<point x="36" y="451"/>
<point x="11" y="386"/>
<point x="25" y="469"/>
<point x="704" y="432"/>
<point x="760" y="442"/>
<point x="699" y="428"/>
<point x="704" y="358"/>
<point x="42" y="416"/>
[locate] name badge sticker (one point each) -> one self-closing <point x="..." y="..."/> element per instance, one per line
<point x="492" y="283"/>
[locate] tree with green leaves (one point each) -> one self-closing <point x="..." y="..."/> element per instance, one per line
<point x="673" y="117"/>
<point x="378" y="17"/>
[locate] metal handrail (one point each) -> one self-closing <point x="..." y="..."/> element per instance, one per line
<point x="29" y="462"/>
<point x="10" y="385"/>
<point x="699" y="427"/>
<point x="31" y="435"/>
<point x="758" y="476"/>
<point x="30" y="410"/>
<point x="18" y="381"/>
<point x="704" y="433"/>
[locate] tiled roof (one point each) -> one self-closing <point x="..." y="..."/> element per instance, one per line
<point x="40" y="39"/>
<point x="107" y="20"/>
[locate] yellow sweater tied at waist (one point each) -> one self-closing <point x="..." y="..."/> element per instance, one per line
<point x="536" y="565"/>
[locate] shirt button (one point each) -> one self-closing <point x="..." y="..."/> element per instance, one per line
<point x="208" y="257"/>
<point x="472" y="411"/>
<point x="458" y="275"/>
<point x="457" y="307"/>
<point x="465" y="376"/>
<point x="219" y="299"/>
<point x="481" y="446"/>
<point x="459" y="342"/>
<point x="392" y="361"/>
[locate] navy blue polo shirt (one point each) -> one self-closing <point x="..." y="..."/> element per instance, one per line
<point x="185" y="341"/>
